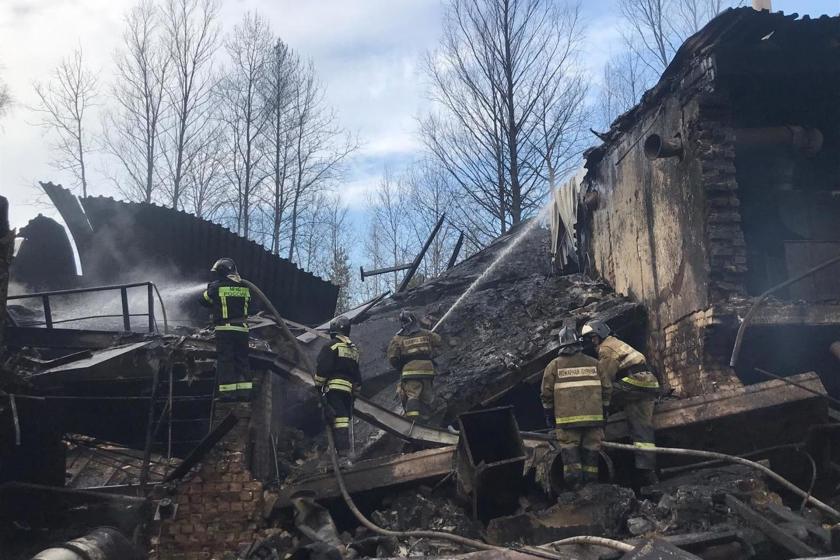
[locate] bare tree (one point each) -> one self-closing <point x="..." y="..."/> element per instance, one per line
<point x="430" y="195"/>
<point x="281" y="72"/>
<point x="132" y="131"/>
<point x="249" y="47"/>
<point x="339" y="240"/>
<point x="648" y="33"/>
<point x="625" y="78"/>
<point x="64" y="105"/>
<point x="205" y="181"/>
<point x="499" y="62"/>
<point x="389" y="221"/>
<point x="5" y="98"/>
<point x="191" y="36"/>
<point x="319" y="146"/>
<point x="655" y="29"/>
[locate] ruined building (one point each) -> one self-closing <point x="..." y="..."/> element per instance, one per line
<point x="717" y="187"/>
<point x="720" y="184"/>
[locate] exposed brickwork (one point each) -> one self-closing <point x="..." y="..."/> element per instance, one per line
<point x="695" y="356"/>
<point x="727" y="255"/>
<point x="220" y="507"/>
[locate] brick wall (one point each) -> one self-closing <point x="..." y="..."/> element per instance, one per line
<point x="727" y="254"/>
<point x="696" y="357"/>
<point x="220" y="508"/>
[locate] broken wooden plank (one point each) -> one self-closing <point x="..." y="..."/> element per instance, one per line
<point x="376" y="473"/>
<point x="772" y="531"/>
<point x="749" y="399"/>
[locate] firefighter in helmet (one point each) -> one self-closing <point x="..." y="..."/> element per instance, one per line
<point x="412" y="351"/>
<point x="635" y="389"/>
<point x="574" y="395"/>
<point x="228" y="298"/>
<point x="338" y="375"/>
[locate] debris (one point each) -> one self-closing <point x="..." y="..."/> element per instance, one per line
<point x="658" y="549"/>
<point x="597" y="509"/>
<point x="773" y="531"/>
<point x="490" y="462"/>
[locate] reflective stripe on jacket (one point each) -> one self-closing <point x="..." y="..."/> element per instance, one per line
<point x="572" y="386"/>
<point x="229" y="301"/>
<point x="414" y="353"/>
<point x="627" y="366"/>
<point x="338" y="365"/>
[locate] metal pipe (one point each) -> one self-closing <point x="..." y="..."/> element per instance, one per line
<point x="79" y="290"/>
<point x="47" y="311"/>
<point x="364" y="274"/>
<point x="103" y="543"/>
<point x="807" y="140"/>
<point x="825" y="508"/>
<point x="656" y="147"/>
<point x="739" y="338"/>
<point x="125" y="312"/>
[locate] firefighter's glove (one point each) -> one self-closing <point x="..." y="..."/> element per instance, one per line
<point x="549" y="418"/>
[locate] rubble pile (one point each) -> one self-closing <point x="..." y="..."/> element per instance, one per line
<point x="502" y="332"/>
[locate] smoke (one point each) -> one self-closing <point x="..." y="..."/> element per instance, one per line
<point x="103" y="310"/>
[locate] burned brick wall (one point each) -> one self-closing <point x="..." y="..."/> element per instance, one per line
<point x="220" y="507"/>
<point x="647" y="236"/>
<point x="751" y="201"/>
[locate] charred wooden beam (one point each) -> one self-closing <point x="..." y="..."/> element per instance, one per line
<point x="419" y="258"/>
<point x="376" y="473"/>
<point x="203" y="447"/>
<point x="772" y="531"/>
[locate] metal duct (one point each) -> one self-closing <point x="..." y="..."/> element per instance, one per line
<point x="657" y="147"/>
<point x="103" y="543"/>
<point x="807" y="140"/>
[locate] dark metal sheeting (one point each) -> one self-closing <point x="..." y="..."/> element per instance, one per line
<point x="137" y="236"/>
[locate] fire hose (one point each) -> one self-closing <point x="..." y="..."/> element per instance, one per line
<point x="457" y="539"/>
<point x="825" y="508"/>
<point x="436" y="535"/>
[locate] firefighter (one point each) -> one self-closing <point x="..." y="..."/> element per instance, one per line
<point x="574" y="396"/>
<point x="229" y="299"/>
<point x="412" y="351"/>
<point x="635" y="390"/>
<point x="338" y="376"/>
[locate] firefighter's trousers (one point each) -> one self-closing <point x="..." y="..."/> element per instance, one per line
<point x="638" y="408"/>
<point x="340" y="413"/>
<point x="232" y="368"/>
<point x="417" y="395"/>
<point x="579" y="450"/>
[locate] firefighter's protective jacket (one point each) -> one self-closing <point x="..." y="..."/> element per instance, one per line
<point x="626" y="366"/>
<point x="229" y="301"/>
<point x="413" y="353"/>
<point x="576" y="389"/>
<point x="338" y="365"/>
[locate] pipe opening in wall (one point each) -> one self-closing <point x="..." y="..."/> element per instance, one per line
<point x="657" y="147"/>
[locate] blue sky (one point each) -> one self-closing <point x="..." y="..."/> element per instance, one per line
<point x="367" y="53"/>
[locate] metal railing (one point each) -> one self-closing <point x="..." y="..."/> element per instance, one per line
<point x="123" y="289"/>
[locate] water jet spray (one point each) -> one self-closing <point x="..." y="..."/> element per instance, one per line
<point x="502" y="255"/>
